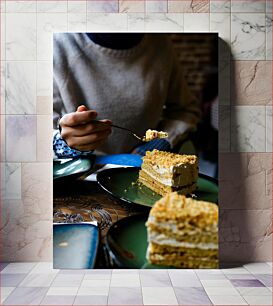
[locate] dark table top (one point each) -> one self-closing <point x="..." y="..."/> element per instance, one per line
<point x="77" y="201"/>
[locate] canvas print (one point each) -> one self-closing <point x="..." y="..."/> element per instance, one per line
<point x="135" y="143"/>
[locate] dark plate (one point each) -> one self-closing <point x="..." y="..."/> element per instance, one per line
<point x="121" y="183"/>
<point x="75" y="246"/>
<point x="126" y="242"/>
<point x="71" y="168"/>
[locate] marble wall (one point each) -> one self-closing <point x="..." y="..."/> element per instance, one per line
<point x="245" y="29"/>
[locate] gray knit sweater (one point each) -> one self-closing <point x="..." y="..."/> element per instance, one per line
<point x="139" y="88"/>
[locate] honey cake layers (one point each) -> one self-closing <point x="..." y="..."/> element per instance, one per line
<point x="164" y="172"/>
<point x="183" y="233"/>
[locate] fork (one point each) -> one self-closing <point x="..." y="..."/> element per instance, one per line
<point x="122" y="128"/>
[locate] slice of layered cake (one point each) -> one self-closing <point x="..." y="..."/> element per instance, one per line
<point x="164" y="172"/>
<point x="183" y="233"/>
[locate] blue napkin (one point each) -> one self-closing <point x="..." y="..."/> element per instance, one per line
<point x="120" y="159"/>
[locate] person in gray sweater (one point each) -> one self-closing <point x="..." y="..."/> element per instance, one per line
<point x="131" y="80"/>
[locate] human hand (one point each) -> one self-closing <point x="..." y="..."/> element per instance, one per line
<point x="80" y="133"/>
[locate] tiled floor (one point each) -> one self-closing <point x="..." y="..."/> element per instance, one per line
<point x="39" y="284"/>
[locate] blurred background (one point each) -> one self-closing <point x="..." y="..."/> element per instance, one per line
<point x="198" y="55"/>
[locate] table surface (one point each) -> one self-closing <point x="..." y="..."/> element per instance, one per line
<point x="78" y="200"/>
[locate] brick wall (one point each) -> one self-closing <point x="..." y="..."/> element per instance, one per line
<point x="198" y="54"/>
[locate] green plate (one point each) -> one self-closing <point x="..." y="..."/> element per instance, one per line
<point x="121" y="183"/>
<point x="126" y="242"/>
<point x="71" y="168"/>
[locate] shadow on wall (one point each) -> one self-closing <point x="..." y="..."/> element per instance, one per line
<point x="242" y="236"/>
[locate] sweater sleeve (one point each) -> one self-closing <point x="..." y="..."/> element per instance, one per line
<point x="60" y="147"/>
<point x="182" y="110"/>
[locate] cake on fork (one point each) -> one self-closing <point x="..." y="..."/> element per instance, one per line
<point x="164" y="172"/>
<point x="183" y="233"/>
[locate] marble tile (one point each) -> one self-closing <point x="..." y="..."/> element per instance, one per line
<point x="89" y="272"/>
<point x="125" y="280"/>
<point x="3" y="87"/>
<point x="72" y="271"/>
<point x="220" y="23"/>
<point x="233" y="251"/>
<point x="44" y="268"/>
<point x="102" y="6"/>
<point x="246" y="283"/>
<point x="268" y="30"/>
<point x="21" y="7"/>
<point x="220" y="6"/>
<point x="26" y="296"/>
<point x="12" y="181"/>
<point x="245" y="291"/>
<point x="77" y="22"/>
<point x="3" y="265"/>
<point x="268" y="110"/>
<point x="20" y="36"/>
<point x="3" y="6"/>
<point x="88" y="291"/>
<point x="37" y="190"/>
<point x="90" y="300"/>
<point x="192" y="296"/>
<point x="131" y="6"/>
<point x="179" y="279"/>
<point x="240" y="276"/>
<point x="153" y="6"/>
<point x="235" y="226"/>
<point x="269" y="6"/>
<point x="224" y="82"/>
<point x="250" y="6"/>
<point x="125" y="271"/>
<point x="38" y="280"/>
<point x="159" y="22"/>
<point x="47" y="23"/>
<point x="95" y="283"/>
<point x="18" y="267"/>
<point x="125" y="296"/>
<point x="76" y="6"/>
<point x="136" y="22"/>
<point x="159" y="296"/>
<point x="20" y="88"/>
<point x="20" y="138"/>
<point x="97" y="276"/>
<point x="62" y="291"/>
<point x="196" y="22"/>
<point x="216" y="283"/>
<point x="258" y="267"/>
<point x="52" y="6"/>
<point x="5" y="292"/>
<point x="251" y="83"/>
<point x="250" y="186"/>
<point x="227" y="291"/>
<point x="236" y="271"/>
<point x="58" y="300"/>
<point x="11" y="280"/>
<point x="248" y="129"/>
<point x="155" y="280"/>
<point x="66" y="280"/>
<point x="248" y="36"/>
<point x="188" y="6"/>
<point x="3" y="36"/>
<point x="104" y="22"/>
<point x="44" y="78"/>
<point x="227" y="300"/>
<point x="224" y="128"/>
<point x="258" y="299"/>
<point x="44" y="105"/>
<point x="266" y="279"/>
